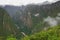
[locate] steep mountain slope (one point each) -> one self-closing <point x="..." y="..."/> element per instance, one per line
<point x="7" y="26"/>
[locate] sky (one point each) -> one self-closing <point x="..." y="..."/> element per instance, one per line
<point x="22" y="2"/>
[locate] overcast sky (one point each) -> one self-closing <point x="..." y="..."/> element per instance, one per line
<point x="22" y="2"/>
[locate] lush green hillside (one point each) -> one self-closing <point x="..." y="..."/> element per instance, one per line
<point x="7" y="25"/>
<point x="49" y="34"/>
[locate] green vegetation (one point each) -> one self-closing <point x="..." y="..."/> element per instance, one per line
<point x="11" y="37"/>
<point x="50" y="34"/>
<point x="7" y="26"/>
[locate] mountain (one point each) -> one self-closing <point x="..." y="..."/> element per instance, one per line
<point x="7" y="25"/>
<point x="30" y="18"/>
<point x="43" y="11"/>
<point x="26" y="17"/>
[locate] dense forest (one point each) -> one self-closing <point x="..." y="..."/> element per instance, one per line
<point x="30" y="22"/>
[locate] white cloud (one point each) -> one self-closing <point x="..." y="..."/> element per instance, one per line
<point x="51" y="21"/>
<point x="21" y="2"/>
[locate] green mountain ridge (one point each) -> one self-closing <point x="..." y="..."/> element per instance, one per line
<point x="7" y="26"/>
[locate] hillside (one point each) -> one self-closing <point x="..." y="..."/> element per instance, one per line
<point x="50" y="34"/>
<point x="7" y="25"/>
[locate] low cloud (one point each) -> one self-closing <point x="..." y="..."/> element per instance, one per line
<point x="51" y="21"/>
